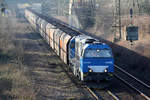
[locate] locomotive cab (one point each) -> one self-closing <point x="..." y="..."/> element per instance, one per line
<point x="97" y="62"/>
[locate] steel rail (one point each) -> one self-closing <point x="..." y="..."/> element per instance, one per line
<point x="141" y="93"/>
<point x="113" y="95"/>
<point x="147" y="86"/>
<point x="97" y="98"/>
<point x="92" y="93"/>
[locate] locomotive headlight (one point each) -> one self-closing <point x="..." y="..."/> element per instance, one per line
<point x="98" y="50"/>
<point x="105" y="70"/>
<point x="90" y="70"/>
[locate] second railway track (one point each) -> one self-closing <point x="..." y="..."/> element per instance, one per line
<point x="142" y="88"/>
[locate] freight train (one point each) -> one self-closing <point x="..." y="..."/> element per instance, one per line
<point x="88" y="58"/>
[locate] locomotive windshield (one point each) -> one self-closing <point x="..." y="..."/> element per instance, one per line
<point x="97" y="53"/>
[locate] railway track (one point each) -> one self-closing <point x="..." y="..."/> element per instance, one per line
<point x="97" y="94"/>
<point x="102" y="94"/>
<point x="134" y="83"/>
<point x="137" y="85"/>
<point x="142" y="88"/>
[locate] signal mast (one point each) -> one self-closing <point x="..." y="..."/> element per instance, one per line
<point x="131" y="30"/>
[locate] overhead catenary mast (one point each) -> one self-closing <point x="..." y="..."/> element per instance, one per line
<point x="117" y="20"/>
<point x="70" y="7"/>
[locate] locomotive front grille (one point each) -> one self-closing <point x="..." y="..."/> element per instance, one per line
<point x="98" y="68"/>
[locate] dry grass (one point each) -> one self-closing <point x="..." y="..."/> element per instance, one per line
<point x="18" y="86"/>
<point x="14" y="84"/>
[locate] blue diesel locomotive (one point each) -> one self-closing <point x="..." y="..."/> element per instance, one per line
<point x="88" y="58"/>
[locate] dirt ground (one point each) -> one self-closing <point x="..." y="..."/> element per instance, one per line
<point x="29" y="69"/>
